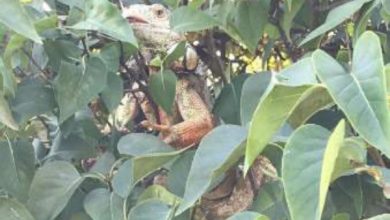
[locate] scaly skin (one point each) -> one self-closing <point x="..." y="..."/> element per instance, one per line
<point x="191" y="119"/>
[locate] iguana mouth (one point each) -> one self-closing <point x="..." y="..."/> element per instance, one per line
<point x="134" y="20"/>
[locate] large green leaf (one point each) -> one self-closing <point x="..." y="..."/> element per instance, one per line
<point x="52" y="187"/>
<point x="309" y="106"/>
<point x="24" y="107"/>
<point x="13" y="210"/>
<point x="77" y="85"/>
<point x="5" y="114"/>
<point x="269" y="116"/>
<point x="149" y="153"/>
<point x="162" y="87"/>
<point x="190" y="19"/>
<point x="247" y="215"/>
<point x="221" y="147"/>
<point x="361" y="94"/>
<point x="60" y="51"/>
<point x="299" y="73"/>
<point x="308" y="162"/>
<point x="150" y="210"/>
<point x="97" y="204"/>
<point x="254" y="88"/>
<point x="17" y="161"/>
<point x="15" y="17"/>
<point x="335" y="17"/>
<point x="103" y="16"/>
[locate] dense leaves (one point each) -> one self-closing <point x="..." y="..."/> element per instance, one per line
<point x="299" y="95"/>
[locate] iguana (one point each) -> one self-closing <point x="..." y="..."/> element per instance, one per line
<point x="191" y="118"/>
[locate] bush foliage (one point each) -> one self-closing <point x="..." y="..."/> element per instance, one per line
<point x="301" y="82"/>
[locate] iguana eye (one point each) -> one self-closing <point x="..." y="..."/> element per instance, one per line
<point x="159" y="11"/>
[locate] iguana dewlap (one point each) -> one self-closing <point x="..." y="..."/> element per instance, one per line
<point x="191" y="119"/>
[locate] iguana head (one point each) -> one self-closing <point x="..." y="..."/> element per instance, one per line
<point x="151" y="24"/>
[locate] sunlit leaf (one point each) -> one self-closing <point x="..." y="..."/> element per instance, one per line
<point x="269" y="116"/>
<point x="361" y="94"/>
<point x="308" y="163"/>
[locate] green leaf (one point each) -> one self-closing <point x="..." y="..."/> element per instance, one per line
<point x="8" y="80"/>
<point x="269" y="116"/>
<point x="227" y="104"/>
<point x="103" y="16"/>
<point x="185" y="18"/>
<point x="217" y="150"/>
<point x="299" y="73"/>
<point x="308" y="162"/>
<point x="175" y="53"/>
<point x="335" y="17"/>
<point x="347" y="196"/>
<point x="76" y="86"/>
<point x="144" y="165"/>
<point x="353" y="151"/>
<point x="113" y="92"/>
<point x="60" y="51"/>
<point x="309" y="106"/>
<point x="247" y="215"/>
<point x="289" y="15"/>
<point x="17" y="161"/>
<point x="24" y="107"/>
<point x="5" y="114"/>
<point x="159" y="192"/>
<point x="178" y="173"/>
<point x="364" y="19"/>
<point x="361" y="94"/>
<point x="254" y="88"/>
<point x="15" y="17"/>
<point x="162" y="87"/>
<point x="13" y="210"/>
<point x="138" y="144"/>
<point x="97" y="204"/>
<point x="271" y="202"/>
<point x="52" y="187"/>
<point x="249" y="22"/>
<point x="149" y="153"/>
<point x="150" y="210"/>
<point x="123" y="181"/>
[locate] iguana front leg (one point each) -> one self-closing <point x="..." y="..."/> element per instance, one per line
<point x="196" y="121"/>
